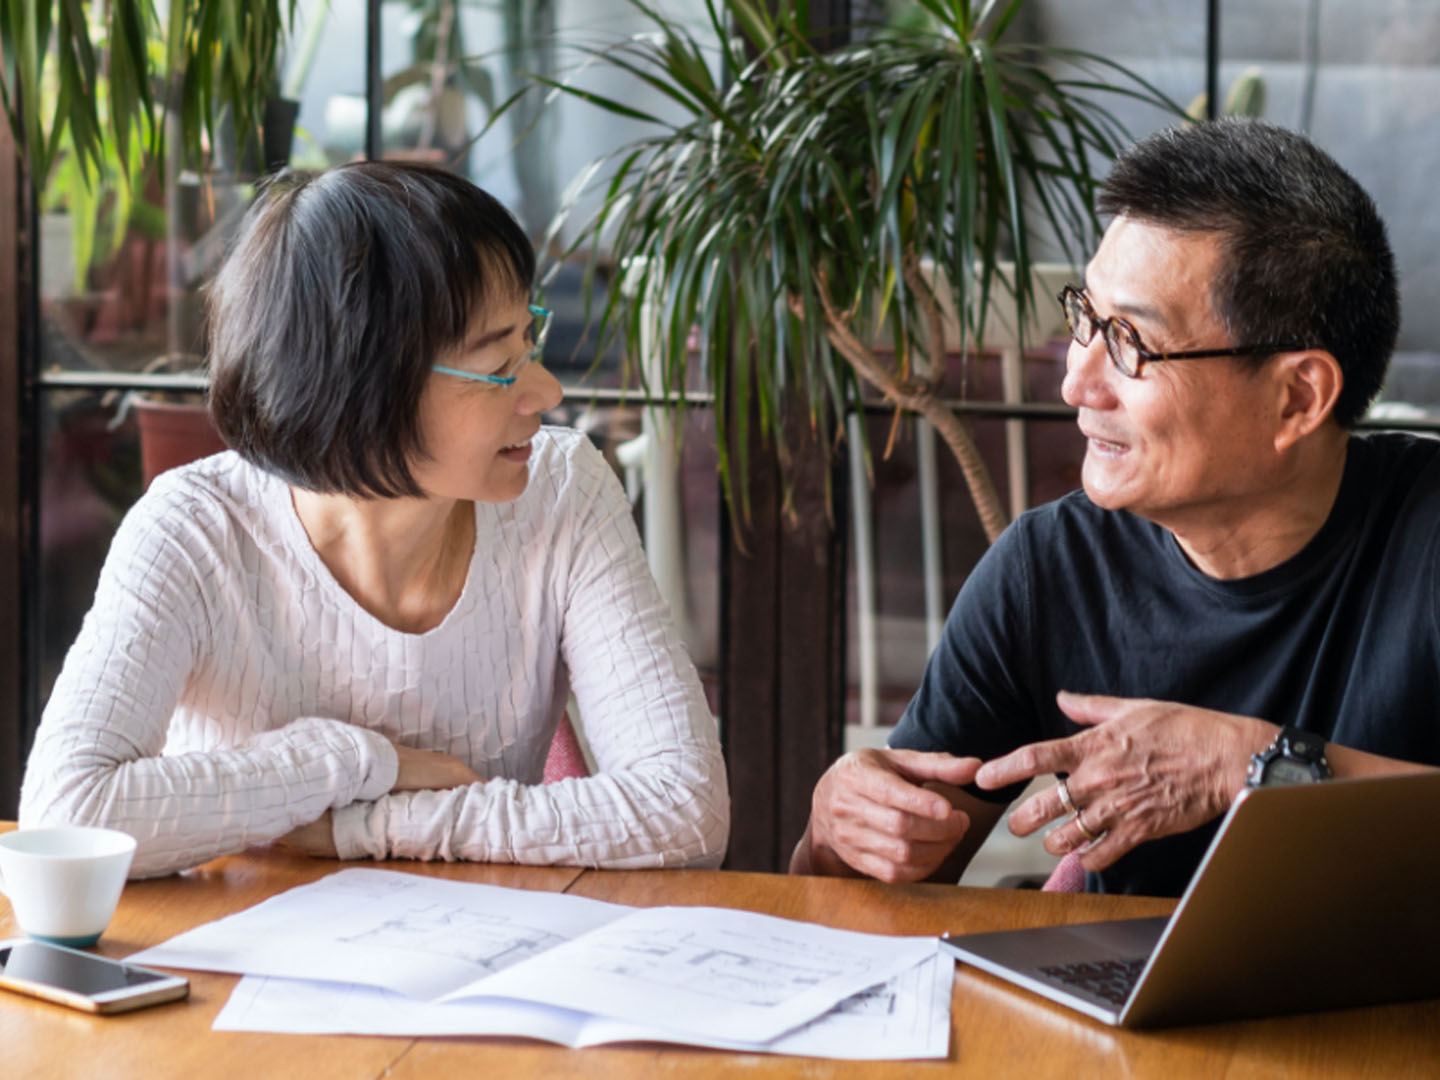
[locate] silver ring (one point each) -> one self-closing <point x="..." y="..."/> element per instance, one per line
<point x="1065" y="800"/>
<point x="1080" y="824"/>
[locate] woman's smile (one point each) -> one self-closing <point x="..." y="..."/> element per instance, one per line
<point x="517" y="452"/>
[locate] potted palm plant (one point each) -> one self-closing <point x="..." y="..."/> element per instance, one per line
<point x="814" y="219"/>
<point x="215" y="55"/>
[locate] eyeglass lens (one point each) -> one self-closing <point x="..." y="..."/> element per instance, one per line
<point x="1123" y="348"/>
<point x="538" y="330"/>
<point x="1120" y="340"/>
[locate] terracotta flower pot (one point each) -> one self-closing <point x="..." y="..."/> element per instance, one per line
<point x="173" y="433"/>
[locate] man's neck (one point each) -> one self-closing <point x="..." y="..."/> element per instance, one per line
<point x="1252" y="535"/>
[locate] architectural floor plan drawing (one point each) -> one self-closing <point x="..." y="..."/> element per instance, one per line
<point x="713" y="973"/>
<point x="490" y="941"/>
<point x="907" y="1017"/>
<point x="416" y="935"/>
<point x="879" y="1002"/>
<point x="692" y="961"/>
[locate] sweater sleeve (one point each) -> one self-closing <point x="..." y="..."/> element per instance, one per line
<point x="659" y="796"/>
<point x="98" y="755"/>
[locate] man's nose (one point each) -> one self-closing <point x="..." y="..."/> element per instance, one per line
<point x="1088" y="372"/>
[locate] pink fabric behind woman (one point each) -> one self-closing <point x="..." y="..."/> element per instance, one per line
<point x="566" y="758"/>
<point x="1068" y="875"/>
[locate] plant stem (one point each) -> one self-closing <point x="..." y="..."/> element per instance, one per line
<point x="919" y="395"/>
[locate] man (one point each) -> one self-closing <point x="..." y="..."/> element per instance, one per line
<point x="1238" y="560"/>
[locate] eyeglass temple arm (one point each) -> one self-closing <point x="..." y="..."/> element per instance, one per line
<point x="1202" y="354"/>
<point x="498" y="380"/>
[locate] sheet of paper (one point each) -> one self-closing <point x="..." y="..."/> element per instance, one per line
<point x="417" y="935"/>
<point x="295" y="1006"/>
<point x="715" y="972"/>
<point x="907" y="1017"/>
<point x="711" y="972"/>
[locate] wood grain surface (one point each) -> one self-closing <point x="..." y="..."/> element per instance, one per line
<point x="997" y="1031"/>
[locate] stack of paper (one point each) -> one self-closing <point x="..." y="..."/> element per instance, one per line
<point x="382" y="952"/>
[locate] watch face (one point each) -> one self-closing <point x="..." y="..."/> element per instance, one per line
<point x="1284" y="771"/>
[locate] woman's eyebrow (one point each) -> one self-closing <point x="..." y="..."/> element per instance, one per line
<point x="480" y="341"/>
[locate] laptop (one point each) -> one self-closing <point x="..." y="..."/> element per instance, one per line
<point x="1313" y="896"/>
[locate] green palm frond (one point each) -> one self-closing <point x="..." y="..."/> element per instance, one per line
<point x="786" y="214"/>
<point x="213" y="53"/>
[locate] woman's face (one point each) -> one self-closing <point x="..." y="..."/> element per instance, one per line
<point x="477" y="434"/>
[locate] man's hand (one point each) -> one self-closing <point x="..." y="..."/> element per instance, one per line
<point x="871" y="813"/>
<point x="1143" y="770"/>
<point x="316" y="839"/>
<point x="422" y="770"/>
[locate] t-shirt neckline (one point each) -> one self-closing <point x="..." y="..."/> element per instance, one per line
<point x="282" y="505"/>
<point x="1319" y="552"/>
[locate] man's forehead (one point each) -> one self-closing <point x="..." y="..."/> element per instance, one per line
<point x="1145" y="271"/>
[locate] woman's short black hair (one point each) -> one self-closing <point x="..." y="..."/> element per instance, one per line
<point x="341" y="290"/>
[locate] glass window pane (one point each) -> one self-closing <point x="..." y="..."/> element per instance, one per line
<point x="324" y="71"/>
<point x="449" y="63"/>
<point x="91" y="476"/>
<point x="1363" y="80"/>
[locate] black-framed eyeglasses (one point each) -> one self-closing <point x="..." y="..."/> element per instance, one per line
<point x="1122" y="341"/>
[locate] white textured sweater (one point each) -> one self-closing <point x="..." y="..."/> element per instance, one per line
<point x="225" y="689"/>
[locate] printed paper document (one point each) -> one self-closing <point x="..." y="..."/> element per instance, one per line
<point x="712" y="973"/>
<point x="907" y="1017"/>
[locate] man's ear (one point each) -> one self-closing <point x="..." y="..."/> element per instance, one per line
<point x="1308" y="384"/>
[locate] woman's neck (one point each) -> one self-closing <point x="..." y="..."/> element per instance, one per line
<point x="404" y="561"/>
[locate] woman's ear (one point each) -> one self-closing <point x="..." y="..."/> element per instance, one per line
<point x="1309" y="384"/>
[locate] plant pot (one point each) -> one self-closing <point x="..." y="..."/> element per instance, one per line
<point x="173" y="433"/>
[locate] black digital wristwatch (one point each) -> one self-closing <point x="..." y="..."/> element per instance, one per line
<point x="1295" y="757"/>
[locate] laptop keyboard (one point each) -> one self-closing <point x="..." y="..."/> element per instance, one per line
<point x="1111" y="980"/>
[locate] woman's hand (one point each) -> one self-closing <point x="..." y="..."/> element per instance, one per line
<point x="1143" y="770"/>
<point x="430" y="770"/>
<point x="419" y="770"/>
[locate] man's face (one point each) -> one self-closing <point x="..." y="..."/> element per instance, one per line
<point x="1189" y="441"/>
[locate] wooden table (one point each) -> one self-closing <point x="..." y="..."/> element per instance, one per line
<point x="997" y="1031"/>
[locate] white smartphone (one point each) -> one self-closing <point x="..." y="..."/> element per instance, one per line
<point x="82" y="980"/>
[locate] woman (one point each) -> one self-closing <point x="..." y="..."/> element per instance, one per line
<point x="356" y="632"/>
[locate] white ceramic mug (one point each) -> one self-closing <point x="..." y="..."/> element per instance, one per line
<point x="64" y="882"/>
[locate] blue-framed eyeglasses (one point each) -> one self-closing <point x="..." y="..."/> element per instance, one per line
<point x="535" y="334"/>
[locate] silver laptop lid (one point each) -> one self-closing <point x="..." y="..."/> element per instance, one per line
<point x="1310" y="897"/>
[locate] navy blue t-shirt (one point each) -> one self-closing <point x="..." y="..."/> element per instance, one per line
<point x="1343" y="639"/>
